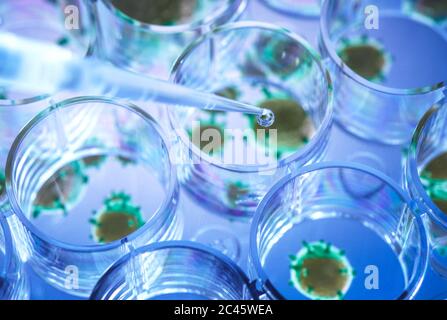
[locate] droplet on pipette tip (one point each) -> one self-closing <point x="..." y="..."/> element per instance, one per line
<point x="266" y="119"/>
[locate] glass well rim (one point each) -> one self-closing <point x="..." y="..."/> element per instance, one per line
<point x="412" y="287"/>
<point x="236" y="7"/>
<point x="301" y="153"/>
<point x="15" y="209"/>
<point x="414" y="177"/>
<point x="98" y="294"/>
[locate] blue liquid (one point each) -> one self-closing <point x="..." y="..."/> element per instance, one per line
<point x="134" y="179"/>
<point x="363" y="247"/>
<point x="417" y="50"/>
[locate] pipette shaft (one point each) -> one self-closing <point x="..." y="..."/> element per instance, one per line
<point x="48" y="68"/>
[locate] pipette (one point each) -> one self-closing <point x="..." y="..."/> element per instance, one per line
<point x="39" y="67"/>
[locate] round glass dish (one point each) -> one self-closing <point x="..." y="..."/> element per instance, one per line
<point x="174" y="270"/>
<point x="426" y="179"/>
<point x="387" y="67"/>
<point x="229" y="161"/>
<point x="88" y="180"/>
<point x="338" y="231"/>
<point x="147" y="36"/>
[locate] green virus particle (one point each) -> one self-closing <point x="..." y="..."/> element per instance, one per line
<point x="366" y="57"/>
<point x="235" y="191"/>
<point x="62" y="191"/>
<point x="434" y="180"/>
<point x="321" y="271"/>
<point x="159" y="12"/>
<point x="294" y="127"/>
<point x="284" y="57"/>
<point x="436" y="10"/>
<point x="209" y="138"/>
<point x="2" y="183"/>
<point x="117" y="219"/>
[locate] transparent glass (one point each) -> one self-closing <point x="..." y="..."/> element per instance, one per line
<point x="39" y="20"/>
<point x="79" y="21"/>
<point x="425" y="179"/>
<point x="147" y="36"/>
<point x="259" y="64"/>
<point x="338" y="231"/>
<point x="13" y="281"/>
<point x="387" y="67"/>
<point x="434" y="12"/>
<point x="306" y="8"/>
<point x="88" y="180"/>
<point x="174" y="270"/>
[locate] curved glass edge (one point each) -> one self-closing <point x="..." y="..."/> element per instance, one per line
<point x="328" y="46"/>
<point x="412" y="173"/>
<point x="313" y="13"/>
<point x="236" y="8"/>
<point x="172" y="190"/>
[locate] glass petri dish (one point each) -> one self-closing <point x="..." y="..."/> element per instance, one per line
<point x="229" y="160"/>
<point x="426" y="181"/>
<point x="40" y="20"/>
<point x="174" y="270"/>
<point x="304" y="8"/>
<point x="314" y="238"/>
<point x="147" y="36"/>
<point x="88" y="180"/>
<point x="434" y="12"/>
<point x="386" y="66"/>
<point x="13" y="281"/>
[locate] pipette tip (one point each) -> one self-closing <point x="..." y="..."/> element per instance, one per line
<point x="266" y="119"/>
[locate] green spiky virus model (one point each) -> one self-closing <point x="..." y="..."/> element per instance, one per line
<point x="321" y="271"/>
<point x="117" y="219"/>
<point x="3" y="94"/>
<point x="62" y="191"/>
<point x="294" y="126"/>
<point x="365" y="57"/>
<point x="159" y="12"/>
